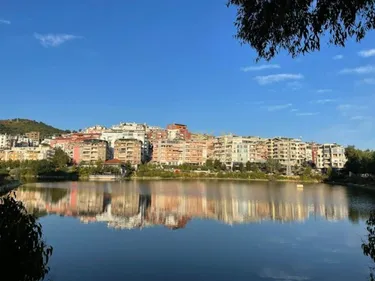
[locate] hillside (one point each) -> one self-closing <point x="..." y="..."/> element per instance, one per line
<point x="22" y="126"/>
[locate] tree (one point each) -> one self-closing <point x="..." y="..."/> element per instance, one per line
<point x="298" y="26"/>
<point x="273" y="166"/>
<point x="60" y="159"/>
<point x="128" y="169"/>
<point x="21" y="242"/>
<point x="368" y="246"/>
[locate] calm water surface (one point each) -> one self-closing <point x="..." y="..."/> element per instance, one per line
<point x="202" y="230"/>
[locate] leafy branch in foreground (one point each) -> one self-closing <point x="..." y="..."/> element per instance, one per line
<point x="368" y="247"/>
<point x="21" y="243"/>
<point x="298" y="26"/>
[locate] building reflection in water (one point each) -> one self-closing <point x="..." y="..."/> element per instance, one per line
<point x="135" y="204"/>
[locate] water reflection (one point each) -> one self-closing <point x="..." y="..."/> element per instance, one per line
<point x="173" y="204"/>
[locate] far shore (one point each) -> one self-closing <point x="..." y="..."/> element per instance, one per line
<point x="348" y="184"/>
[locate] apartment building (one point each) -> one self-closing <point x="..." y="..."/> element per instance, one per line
<point x="178" y="132"/>
<point x="157" y="134"/>
<point x="331" y="155"/>
<point x="68" y="142"/>
<point x="196" y="152"/>
<point x="287" y="151"/>
<point x="34" y="136"/>
<point x="95" y="129"/>
<point x="177" y="152"/>
<point x="27" y="153"/>
<point x="5" y="141"/>
<point x="128" y="150"/>
<point x="231" y="150"/>
<point x="312" y="152"/>
<point x="90" y="151"/>
<point x="168" y="152"/>
<point x="128" y="131"/>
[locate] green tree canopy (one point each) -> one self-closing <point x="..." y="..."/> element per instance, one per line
<point x="360" y="161"/>
<point x="298" y="26"/>
<point x="60" y="159"/>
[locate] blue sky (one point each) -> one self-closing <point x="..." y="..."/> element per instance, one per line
<point x="74" y="64"/>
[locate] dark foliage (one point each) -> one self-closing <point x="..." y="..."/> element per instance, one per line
<point x="298" y="26"/>
<point x="21" y="243"/>
<point x="368" y="246"/>
<point x="60" y="159"/>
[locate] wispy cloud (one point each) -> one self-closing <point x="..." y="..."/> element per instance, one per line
<point x="307" y="113"/>
<point x="350" y="110"/>
<point x="359" y="117"/>
<point x="257" y="102"/>
<point x="323" y="101"/>
<point x="338" y="57"/>
<point x="259" y="67"/>
<point x="2" y="21"/>
<point x="295" y="85"/>
<point x="367" y="53"/>
<point x="322" y="91"/>
<point x="294" y="110"/>
<point x="268" y="79"/>
<point x="54" y="40"/>
<point x="359" y="70"/>
<point x="345" y="107"/>
<point x="278" y="107"/>
<point x="370" y="81"/>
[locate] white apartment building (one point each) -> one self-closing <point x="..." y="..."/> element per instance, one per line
<point x="288" y="151"/>
<point x="331" y="155"/>
<point x="5" y="141"/>
<point x="128" y="131"/>
<point x="231" y="149"/>
<point x="95" y="129"/>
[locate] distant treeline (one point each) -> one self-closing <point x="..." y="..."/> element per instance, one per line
<point x="22" y="126"/>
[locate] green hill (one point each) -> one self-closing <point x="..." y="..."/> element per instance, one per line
<point x="22" y="126"/>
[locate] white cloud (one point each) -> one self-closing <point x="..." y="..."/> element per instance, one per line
<point x="268" y="79"/>
<point x="338" y="57"/>
<point x="322" y="91"/>
<point x="350" y="107"/>
<point x="257" y="102"/>
<point x="295" y="85"/>
<point x="323" y="101"/>
<point x="307" y="113"/>
<point x="294" y="110"/>
<point x="278" y="107"/>
<point x="260" y="67"/>
<point x="367" y="53"/>
<point x="270" y="273"/>
<point x="2" y="21"/>
<point x="54" y="40"/>
<point x="359" y="70"/>
<point x="370" y="81"/>
<point x="359" y="117"/>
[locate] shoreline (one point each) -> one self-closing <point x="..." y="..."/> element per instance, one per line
<point x="226" y="179"/>
<point x="348" y="184"/>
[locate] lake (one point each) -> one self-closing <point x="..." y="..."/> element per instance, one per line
<point x="202" y="230"/>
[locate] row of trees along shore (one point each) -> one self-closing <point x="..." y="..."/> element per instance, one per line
<point x="360" y="168"/>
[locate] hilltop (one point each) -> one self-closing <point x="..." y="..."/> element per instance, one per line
<point x="22" y="126"/>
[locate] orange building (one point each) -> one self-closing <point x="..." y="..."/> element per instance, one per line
<point x="128" y="150"/>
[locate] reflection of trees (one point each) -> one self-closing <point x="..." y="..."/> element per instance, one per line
<point x="368" y="246"/>
<point x="21" y="243"/>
